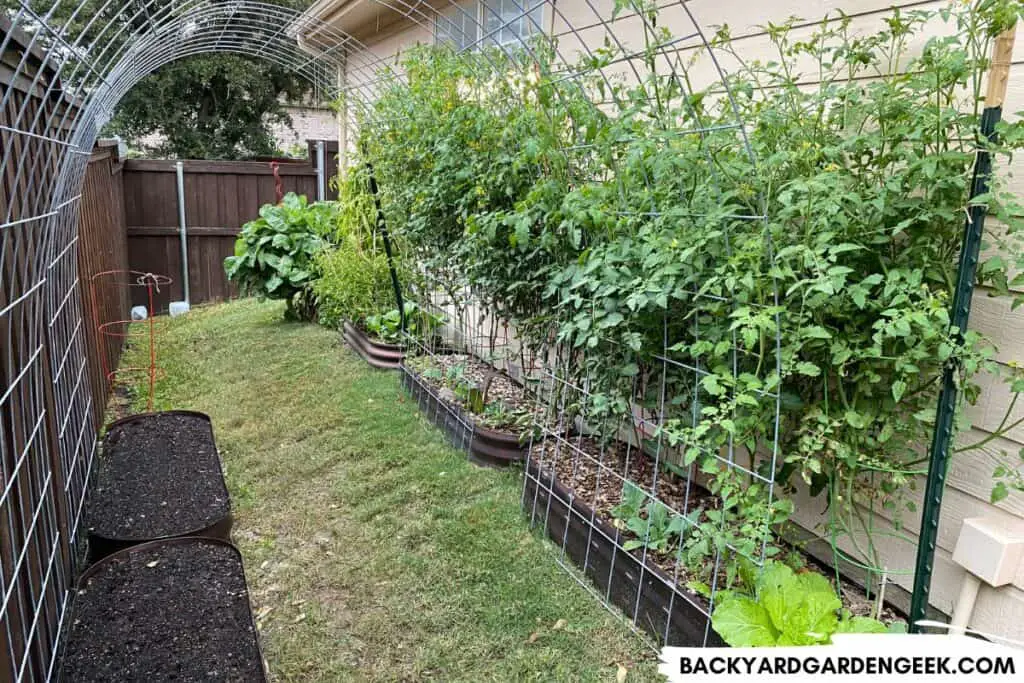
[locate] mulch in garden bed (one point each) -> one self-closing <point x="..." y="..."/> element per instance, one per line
<point x="588" y="471"/>
<point x="159" y="476"/>
<point x="474" y="371"/>
<point x="173" y="610"/>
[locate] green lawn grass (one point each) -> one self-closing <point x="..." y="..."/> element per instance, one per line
<point x="373" y="550"/>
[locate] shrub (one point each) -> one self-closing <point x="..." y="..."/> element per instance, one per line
<point x="352" y="284"/>
<point x="353" y="280"/>
<point x="274" y="254"/>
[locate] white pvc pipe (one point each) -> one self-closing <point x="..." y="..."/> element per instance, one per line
<point x="964" y="604"/>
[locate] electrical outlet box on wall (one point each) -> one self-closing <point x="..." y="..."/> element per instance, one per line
<point x="990" y="549"/>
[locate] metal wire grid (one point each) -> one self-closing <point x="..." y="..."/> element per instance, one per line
<point x="579" y="461"/>
<point x="66" y="65"/>
<point x="75" y="60"/>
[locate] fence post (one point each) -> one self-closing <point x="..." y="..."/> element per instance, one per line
<point x="179" y="167"/>
<point x="321" y="186"/>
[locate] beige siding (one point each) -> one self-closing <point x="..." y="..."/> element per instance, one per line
<point x="579" y="24"/>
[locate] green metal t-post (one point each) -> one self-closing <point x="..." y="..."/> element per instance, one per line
<point x="942" y="438"/>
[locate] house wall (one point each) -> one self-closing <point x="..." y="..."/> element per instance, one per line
<point x="308" y="123"/>
<point x="578" y="26"/>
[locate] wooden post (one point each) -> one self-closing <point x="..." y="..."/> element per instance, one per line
<point x="999" y="69"/>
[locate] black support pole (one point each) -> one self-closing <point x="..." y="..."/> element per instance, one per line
<point x="382" y="228"/>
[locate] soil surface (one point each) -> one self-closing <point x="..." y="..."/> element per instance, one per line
<point x="158" y="476"/>
<point x="178" y="611"/>
<point x="597" y="475"/>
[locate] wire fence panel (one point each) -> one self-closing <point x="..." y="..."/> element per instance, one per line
<point x="64" y="67"/>
<point x="34" y="501"/>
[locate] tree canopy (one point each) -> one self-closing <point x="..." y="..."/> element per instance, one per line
<point x="209" y="106"/>
<point x="216" y="106"/>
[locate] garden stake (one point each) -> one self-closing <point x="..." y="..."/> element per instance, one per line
<point x="382" y="227"/>
<point x="942" y="437"/>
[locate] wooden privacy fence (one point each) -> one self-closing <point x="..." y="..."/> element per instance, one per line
<point x="102" y="248"/>
<point x="219" y="197"/>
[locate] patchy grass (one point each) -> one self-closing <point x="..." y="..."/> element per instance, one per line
<point x="373" y="550"/>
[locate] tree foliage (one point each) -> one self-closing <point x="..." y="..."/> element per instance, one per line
<point x="214" y="106"/>
<point x="209" y="106"/>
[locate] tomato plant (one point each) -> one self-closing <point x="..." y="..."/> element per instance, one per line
<point x="770" y="271"/>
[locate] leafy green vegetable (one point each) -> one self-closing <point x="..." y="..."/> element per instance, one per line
<point x="354" y="277"/>
<point x="274" y="254"/>
<point x="653" y="524"/>
<point x="787" y="608"/>
<point x="387" y="327"/>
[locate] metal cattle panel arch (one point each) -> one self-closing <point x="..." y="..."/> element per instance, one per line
<point x="65" y="66"/>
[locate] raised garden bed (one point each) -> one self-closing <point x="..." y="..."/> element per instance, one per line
<point x="168" y="610"/>
<point x="485" y="446"/>
<point x="377" y="354"/>
<point x="647" y="594"/>
<point x="159" y="477"/>
<point x="574" y="498"/>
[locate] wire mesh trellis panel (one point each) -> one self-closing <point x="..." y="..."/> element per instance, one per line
<point x="64" y="67"/>
<point x="636" y="468"/>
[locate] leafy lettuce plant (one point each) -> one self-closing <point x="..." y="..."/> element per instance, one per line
<point x="787" y="608"/>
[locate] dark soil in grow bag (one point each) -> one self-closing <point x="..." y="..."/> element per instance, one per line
<point x="376" y="353"/>
<point x="159" y="477"/>
<point x="485" y="446"/>
<point x="173" y="610"/>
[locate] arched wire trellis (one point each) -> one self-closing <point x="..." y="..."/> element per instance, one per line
<point x="67" y="66"/>
<point x="71" y="64"/>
